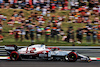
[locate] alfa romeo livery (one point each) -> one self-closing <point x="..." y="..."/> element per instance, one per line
<point x="41" y="52"/>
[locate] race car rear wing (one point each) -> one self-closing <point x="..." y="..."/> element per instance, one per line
<point x="11" y="47"/>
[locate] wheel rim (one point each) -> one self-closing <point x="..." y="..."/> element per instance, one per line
<point x="14" y="56"/>
<point x="72" y="56"/>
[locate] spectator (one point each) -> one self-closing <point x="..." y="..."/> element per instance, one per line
<point x="44" y="11"/>
<point x="64" y="38"/>
<point x="62" y="32"/>
<point x="71" y="35"/>
<point x="41" y="20"/>
<point x="47" y="33"/>
<point x="68" y="34"/>
<point x="6" y="3"/>
<point x="31" y="32"/>
<point x="22" y="33"/>
<point x="10" y="23"/>
<point x="1" y="38"/>
<point x="1" y="28"/>
<point x="26" y="34"/>
<point x="99" y="27"/>
<point x="53" y="33"/>
<point x="58" y="33"/>
<point x="48" y="13"/>
<point x="38" y="33"/>
<point x="98" y="36"/>
<point x="88" y="36"/>
<point x="53" y="7"/>
<point x="91" y="4"/>
<point x="16" y="33"/>
<point x="52" y="18"/>
<point x="94" y="35"/>
<point x="79" y="35"/>
<point x="38" y="8"/>
<point x="1" y="1"/>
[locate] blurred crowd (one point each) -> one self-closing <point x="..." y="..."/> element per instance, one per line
<point x="33" y="4"/>
<point x="82" y="12"/>
<point x="34" y="26"/>
<point x="44" y="25"/>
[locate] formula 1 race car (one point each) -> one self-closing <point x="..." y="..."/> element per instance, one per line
<point x="41" y="52"/>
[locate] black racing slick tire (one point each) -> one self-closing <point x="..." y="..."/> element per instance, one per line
<point x="14" y="56"/>
<point x="72" y="57"/>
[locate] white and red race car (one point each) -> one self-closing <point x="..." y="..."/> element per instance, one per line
<point x="41" y="52"/>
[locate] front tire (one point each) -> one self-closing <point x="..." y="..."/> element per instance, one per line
<point x="72" y="57"/>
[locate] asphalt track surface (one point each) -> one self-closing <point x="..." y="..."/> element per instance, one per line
<point x="44" y="63"/>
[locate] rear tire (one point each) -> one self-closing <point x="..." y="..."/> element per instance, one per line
<point x="72" y="57"/>
<point x="14" y="56"/>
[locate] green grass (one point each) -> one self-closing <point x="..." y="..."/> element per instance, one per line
<point x="9" y="39"/>
<point x="49" y="44"/>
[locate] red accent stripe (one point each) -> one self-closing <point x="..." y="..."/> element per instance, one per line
<point x="8" y="57"/>
<point x="98" y="58"/>
<point x="27" y="50"/>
